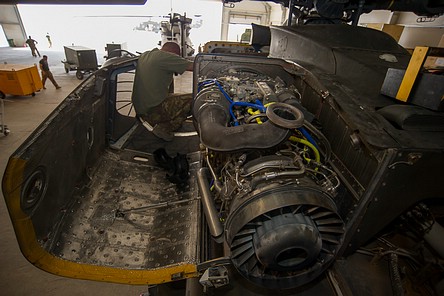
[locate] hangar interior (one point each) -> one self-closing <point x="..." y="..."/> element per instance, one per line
<point x="372" y="179"/>
<point x="408" y="28"/>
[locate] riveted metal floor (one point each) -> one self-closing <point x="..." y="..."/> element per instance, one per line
<point x="130" y="216"/>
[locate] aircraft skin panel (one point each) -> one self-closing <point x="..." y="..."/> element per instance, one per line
<point x="46" y="185"/>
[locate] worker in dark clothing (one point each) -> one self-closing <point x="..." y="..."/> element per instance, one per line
<point x="151" y="98"/>
<point x="33" y="45"/>
<point x="46" y="73"/>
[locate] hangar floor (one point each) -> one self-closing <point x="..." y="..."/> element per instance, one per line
<point x="22" y="115"/>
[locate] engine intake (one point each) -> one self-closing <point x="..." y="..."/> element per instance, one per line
<point x="212" y="113"/>
<point x="284" y="236"/>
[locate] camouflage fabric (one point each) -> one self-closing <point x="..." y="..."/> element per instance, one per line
<point x="154" y="74"/>
<point x="171" y="113"/>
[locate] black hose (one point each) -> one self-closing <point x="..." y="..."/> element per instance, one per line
<point x="211" y="111"/>
<point x="321" y="138"/>
<point x="396" y="277"/>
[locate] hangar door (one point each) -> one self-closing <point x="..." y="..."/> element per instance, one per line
<point x="12" y="25"/>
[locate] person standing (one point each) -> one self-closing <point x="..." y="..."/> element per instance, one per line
<point x="33" y="45"/>
<point x="151" y="98"/>
<point x="49" y="40"/>
<point x="46" y="73"/>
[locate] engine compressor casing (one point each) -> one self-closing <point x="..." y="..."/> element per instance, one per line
<point x="283" y="236"/>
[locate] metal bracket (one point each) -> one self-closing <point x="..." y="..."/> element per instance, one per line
<point x="215" y="277"/>
<point x="411" y="159"/>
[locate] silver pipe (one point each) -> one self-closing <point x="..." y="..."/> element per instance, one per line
<point x="272" y="175"/>
<point x="209" y="208"/>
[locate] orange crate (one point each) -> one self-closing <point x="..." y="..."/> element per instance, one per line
<point x="20" y="80"/>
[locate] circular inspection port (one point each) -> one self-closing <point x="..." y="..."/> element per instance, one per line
<point x="33" y="190"/>
<point x="90" y="136"/>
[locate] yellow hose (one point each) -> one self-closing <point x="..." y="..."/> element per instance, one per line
<point x="307" y="143"/>
<point x="251" y="112"/>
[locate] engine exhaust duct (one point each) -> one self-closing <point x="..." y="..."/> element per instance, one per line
<point x="216" y="229"/>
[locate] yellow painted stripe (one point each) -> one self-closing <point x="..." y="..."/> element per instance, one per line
<point x="416" y="61"/>
<point x="35" y="254"/>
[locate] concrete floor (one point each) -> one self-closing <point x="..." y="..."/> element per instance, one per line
<point x="22" y="115"/>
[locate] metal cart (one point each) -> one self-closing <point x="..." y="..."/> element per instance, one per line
<point x="114" y="50"/>
<point x="81" y="59"/>
<point x="19" y="80"/>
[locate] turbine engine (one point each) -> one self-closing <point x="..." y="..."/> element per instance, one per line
<point x="267" y="189"/>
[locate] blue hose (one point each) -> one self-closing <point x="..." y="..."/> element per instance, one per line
<point x="245" y="104"/>
<point x="258" y="104"/>
<point x="307" y="135"/>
